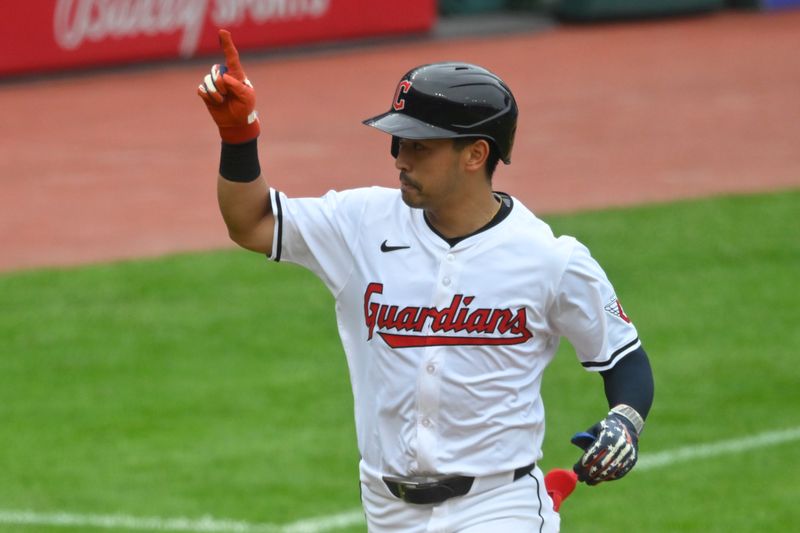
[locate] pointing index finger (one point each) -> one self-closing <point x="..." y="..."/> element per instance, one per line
<point x="231" y="55"/>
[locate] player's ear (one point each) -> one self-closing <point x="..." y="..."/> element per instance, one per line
<point x="475" y="154"/>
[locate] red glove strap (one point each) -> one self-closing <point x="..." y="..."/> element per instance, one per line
<point x="240" y="134"/>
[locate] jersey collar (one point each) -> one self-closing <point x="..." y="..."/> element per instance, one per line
<point x="506" y="204"/>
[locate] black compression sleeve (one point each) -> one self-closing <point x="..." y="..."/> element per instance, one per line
<point x="631" y="382"/>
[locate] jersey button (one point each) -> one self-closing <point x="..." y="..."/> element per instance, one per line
<point x="451" y="258"/>
<point x="431" y="368"/>
<point x="426" y="422"/>
<point x="446" y="282"/>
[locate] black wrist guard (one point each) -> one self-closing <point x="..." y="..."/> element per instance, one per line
<point x="239" y="162"/>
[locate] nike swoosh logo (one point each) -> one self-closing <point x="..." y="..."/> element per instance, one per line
<point x="386" y="248"/>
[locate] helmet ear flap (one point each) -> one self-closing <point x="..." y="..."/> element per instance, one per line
<point x="395" y="146"/>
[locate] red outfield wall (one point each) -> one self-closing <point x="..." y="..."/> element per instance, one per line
<point x="46" y="35"/>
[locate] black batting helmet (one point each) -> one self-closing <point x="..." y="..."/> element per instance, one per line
<point x="451" y="100"/>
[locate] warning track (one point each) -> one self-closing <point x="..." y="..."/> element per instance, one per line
<point x="122" y="165"/>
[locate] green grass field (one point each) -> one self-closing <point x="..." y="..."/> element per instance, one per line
<point x="215" y="384"/>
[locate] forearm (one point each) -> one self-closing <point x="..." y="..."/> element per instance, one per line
<point x="243" y="197"/>
<point x="611" y="445"/>
<point x="630" y="382"/>
<point x="247" y="213"/>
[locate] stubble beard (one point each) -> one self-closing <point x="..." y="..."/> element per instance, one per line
<point x="409" y="190"/>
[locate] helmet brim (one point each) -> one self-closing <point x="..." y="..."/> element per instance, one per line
<point x="406" y="127"/>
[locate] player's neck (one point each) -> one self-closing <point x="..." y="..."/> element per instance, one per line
<point x="456" y="219"/>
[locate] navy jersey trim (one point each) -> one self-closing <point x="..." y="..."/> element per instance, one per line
<point x="614" y="356"/>
<point x="506" y="204"/>
<point x="538" y="497"/>
<point x="279" y="222"/>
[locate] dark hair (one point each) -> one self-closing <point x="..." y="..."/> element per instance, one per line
<point x="459" y="143"/>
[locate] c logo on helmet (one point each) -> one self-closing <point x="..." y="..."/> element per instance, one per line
<point x="399" y="101"/>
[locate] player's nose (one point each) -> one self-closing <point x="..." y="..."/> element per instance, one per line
<point x="401" y="162"/>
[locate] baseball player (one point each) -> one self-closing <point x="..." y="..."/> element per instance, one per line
<point x="451" y="299"/>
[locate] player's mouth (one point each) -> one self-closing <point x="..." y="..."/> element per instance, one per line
<point x="407" y="183"/>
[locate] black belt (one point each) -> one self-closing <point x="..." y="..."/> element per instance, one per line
<point x="440" y="490"/>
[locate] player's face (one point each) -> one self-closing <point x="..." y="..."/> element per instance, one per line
<point x="429" y="171"/>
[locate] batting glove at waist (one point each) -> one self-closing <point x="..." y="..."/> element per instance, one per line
<point x="611" y="446"/>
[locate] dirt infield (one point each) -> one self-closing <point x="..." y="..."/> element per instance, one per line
<point x="122" y="165"/>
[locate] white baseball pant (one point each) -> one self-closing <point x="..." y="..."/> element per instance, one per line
<point x="522" y="506"/>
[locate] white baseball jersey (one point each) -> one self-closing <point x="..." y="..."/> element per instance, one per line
<point x="446" y="346"/>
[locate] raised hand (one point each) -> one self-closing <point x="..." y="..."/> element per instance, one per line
<point x="230" y="97"/>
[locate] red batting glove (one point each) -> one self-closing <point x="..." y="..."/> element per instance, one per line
<point x="559" y="484"/>
<point x="230" y="97"/>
